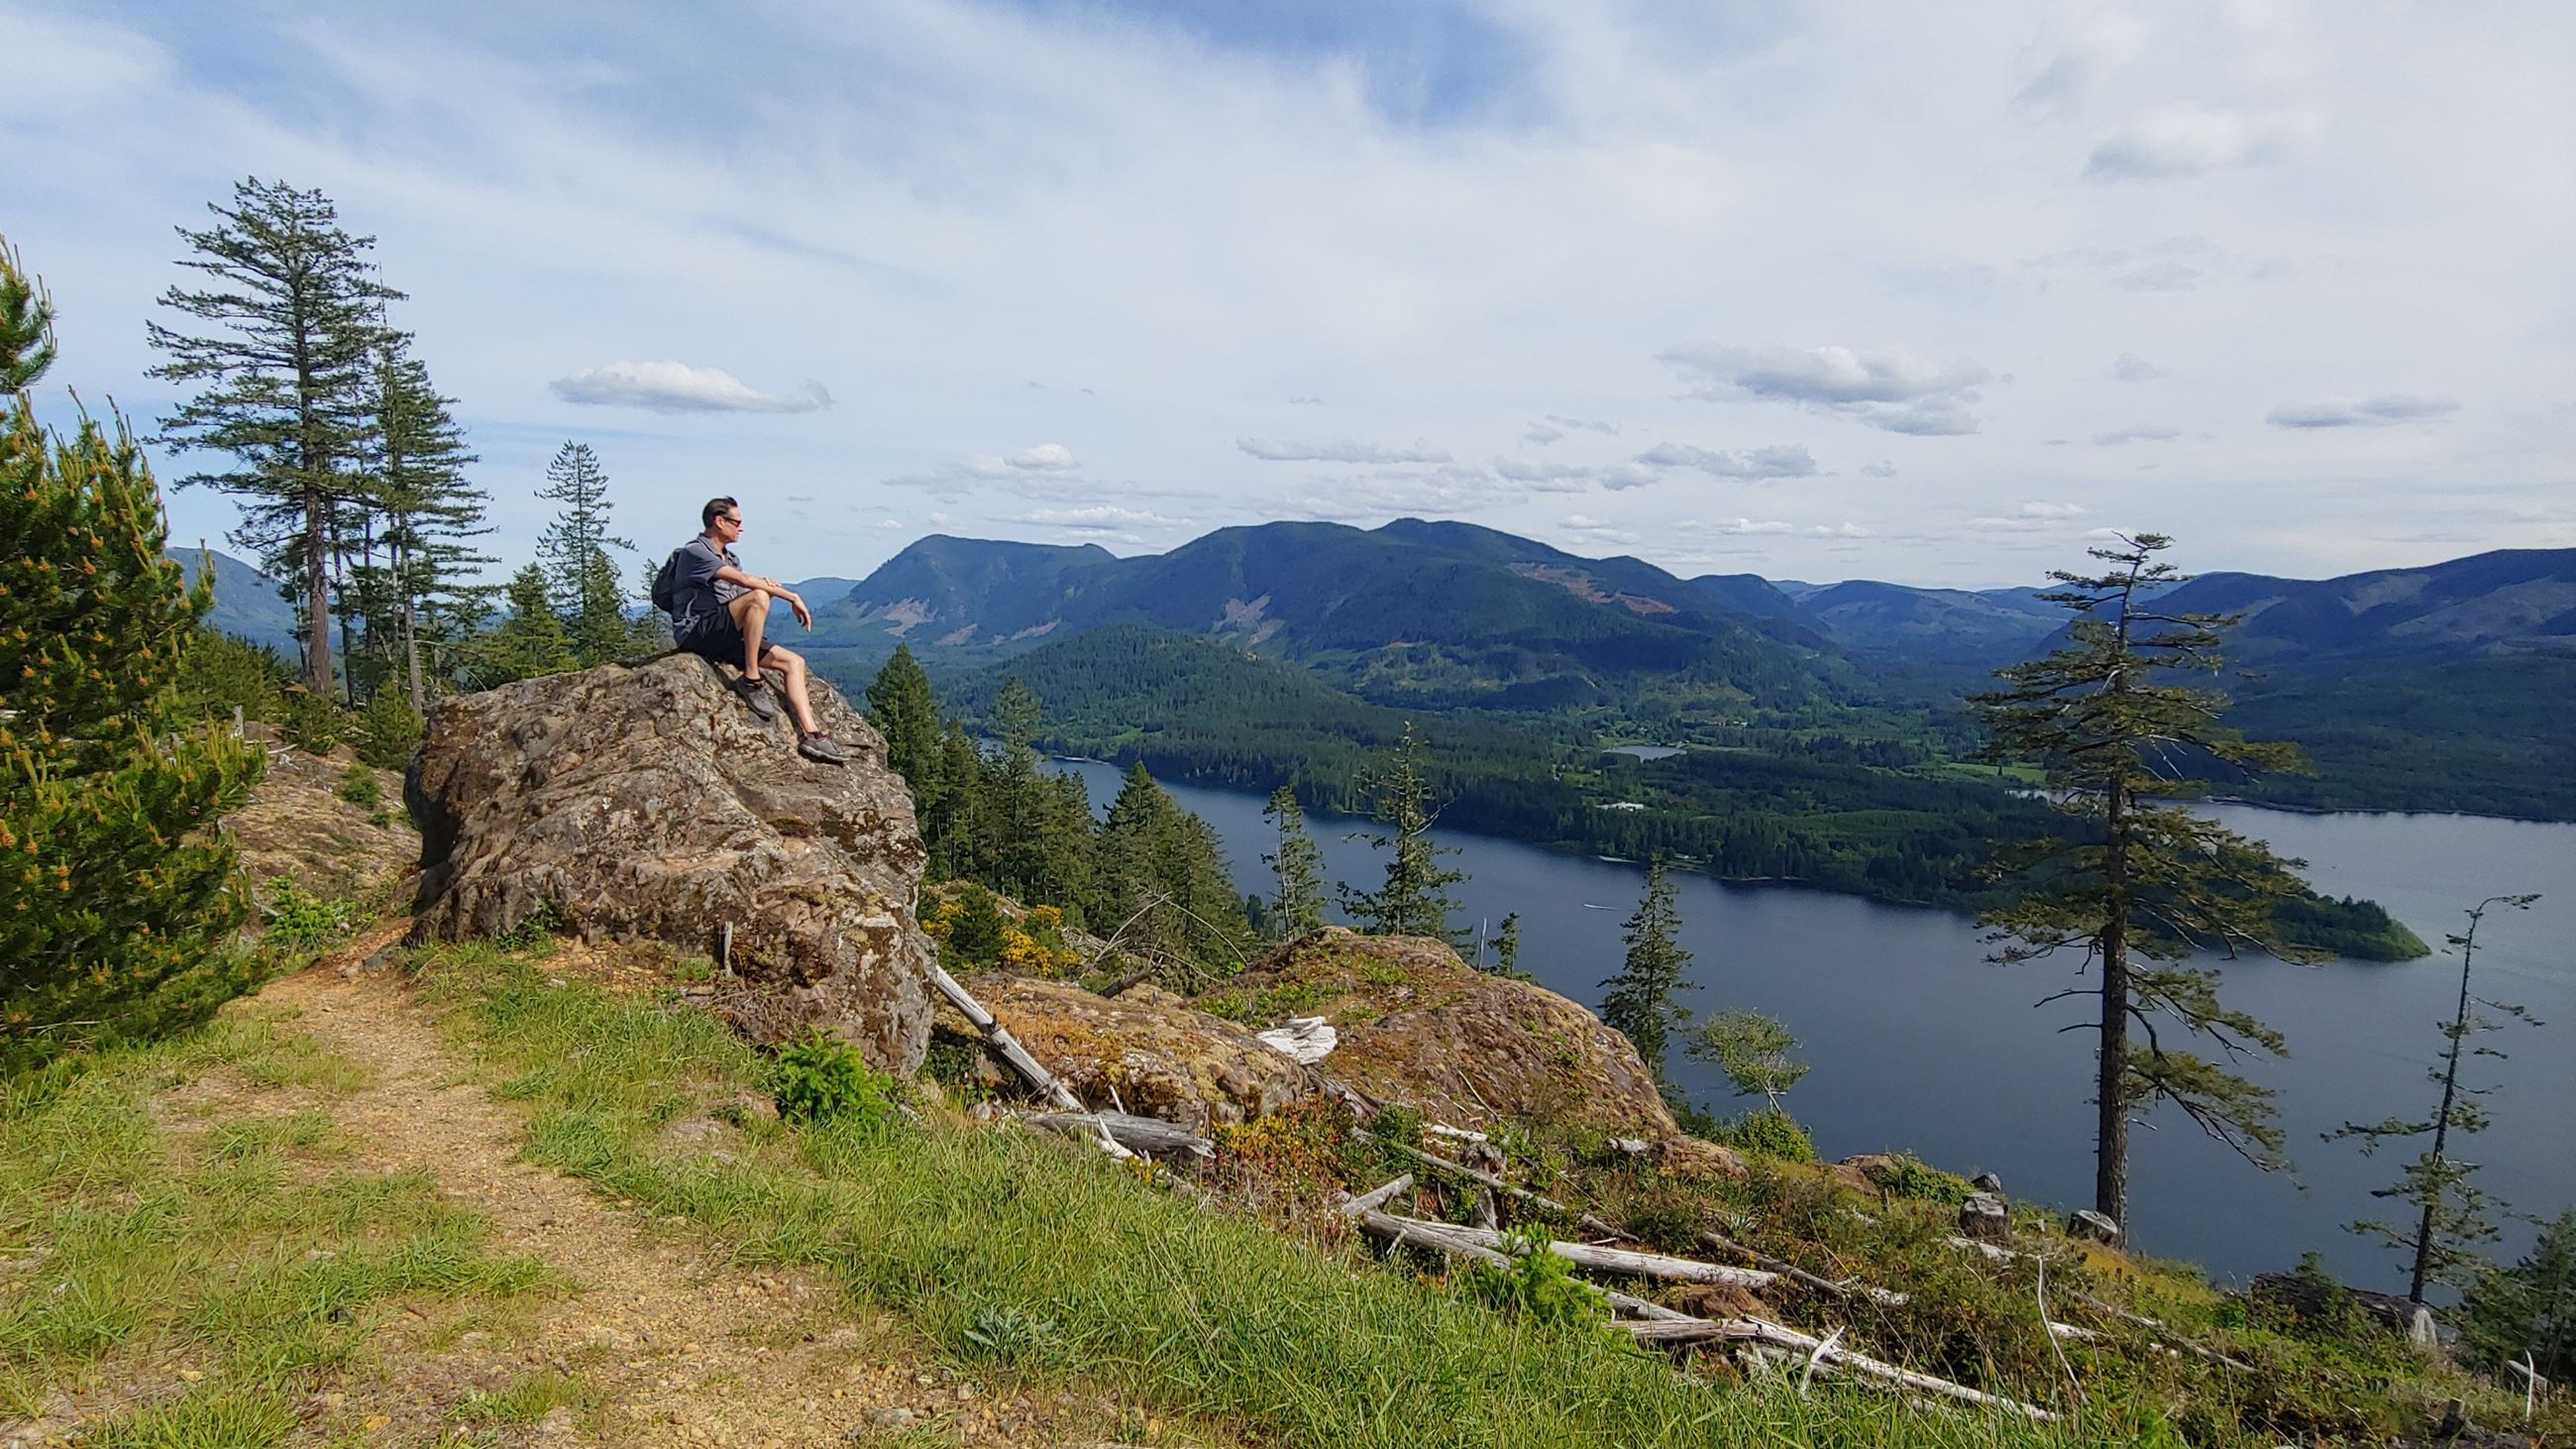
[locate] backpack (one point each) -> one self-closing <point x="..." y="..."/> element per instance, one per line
<point x="666" y="584"/>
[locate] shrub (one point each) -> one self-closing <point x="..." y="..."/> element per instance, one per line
<point x="1007" y="1335"/>
<point x="1907" y="1175"/>
<point x="387" y="730"/>
<point x="1539" y="1287"/>
<point x="312" y="723"/>
<point x="360" y="787"/>
<point x="221" y="673"/>
<point x="301" y="922"/>
<point x="1771" y="1132"/>
<point x="821" y="1078"/>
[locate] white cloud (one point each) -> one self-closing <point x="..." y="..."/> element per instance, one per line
<point x="2130" y="367"/>
<point x="2188" y="140"/>
<point x="1883" y="468"/>
<point x="1587" y="425"/>
<point x="1099" y="518"/>
<point x="2142" y="433"/>
<point x="1339" y="450"/>
<point x="1783" y="460"/>
<point x="2374" y="412"/>
<point x="2041" y="509"/>
<point x="1891" y="389"/>
<point x="1548" y="476"/>
<point x="2037" y="516"/>
<point x="676" y="387"/>
<point x="1044" y="458"/>
<point x="1542" y="434"/>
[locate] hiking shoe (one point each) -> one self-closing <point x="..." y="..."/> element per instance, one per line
<point x="755" y="692"/>
<point x="824" y="749"/>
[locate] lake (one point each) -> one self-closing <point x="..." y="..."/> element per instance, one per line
<point x="1917" y="1042"/>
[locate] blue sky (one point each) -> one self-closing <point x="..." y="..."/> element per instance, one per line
<point x="1925" y="293"/>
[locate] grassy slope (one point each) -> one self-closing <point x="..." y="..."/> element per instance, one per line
<point x="1199" y="1312"/>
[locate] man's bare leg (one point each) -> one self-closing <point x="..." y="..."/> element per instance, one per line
<point x="791" y="666"/>
<point x="751" y="615"/>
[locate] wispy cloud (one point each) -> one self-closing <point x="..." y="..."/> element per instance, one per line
<point x="1783" y="460"/>
<point x="677" y="387"/>
<point x="2374" y="412"/>
<point x="2187" y="140"/>
<point x="2142" y="433"/>
<point x="1891" y="388"/>
<point x="1339" y="450"/>
<point x="2130" y="367"/>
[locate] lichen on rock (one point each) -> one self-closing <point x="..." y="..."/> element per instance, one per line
<point x="648" y="802"/>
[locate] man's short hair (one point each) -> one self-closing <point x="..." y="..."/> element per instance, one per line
<point x="715" y="506"/>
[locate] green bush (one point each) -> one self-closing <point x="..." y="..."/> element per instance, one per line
<point x="1771" y="1132"/>
<point x="1539" y="1287"/>
<point x="821" y="1078"/>
<point x="360" y="787"/>
<point x="301" y="922"/>
<point x="219" y="673"/>
<point x="1907" y="1175"/>
<point x="312" y="723"/>
<point x="387" y="730"/>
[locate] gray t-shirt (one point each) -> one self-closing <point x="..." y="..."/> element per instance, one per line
<point x="696" y="589"/>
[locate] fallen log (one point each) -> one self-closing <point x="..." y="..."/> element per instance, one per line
<point x="1150" y="1135"/>
<point x="1881" y="1296"/>
<point x="1666" y="1325"/>
<point x="1585" y="1221"/>
<point x="1378" y="1197"/>
<point x="1008" y="1048"/>
<point x="1622" y="1261"/>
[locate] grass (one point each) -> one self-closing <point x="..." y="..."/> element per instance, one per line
<point x="207" y="1272"/>
<point x="1018" y="1254"/>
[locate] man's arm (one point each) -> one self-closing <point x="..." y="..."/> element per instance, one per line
<point x="776" y="590"/>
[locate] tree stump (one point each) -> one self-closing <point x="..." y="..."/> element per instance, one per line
<point x="2092" y="1227"/>
<point x="1986" y="1218"/>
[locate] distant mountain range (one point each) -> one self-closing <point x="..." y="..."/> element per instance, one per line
<point x="2440" y="687"/>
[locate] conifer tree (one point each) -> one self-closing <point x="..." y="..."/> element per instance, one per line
<point x="953" y="824"/>
<point x="580" y="571"/>
<point x="902" y="707"/>
<point x="26" y="326"/>
<point x="1640" y="1000"/>
<point x="1507" y="945"/>
<point x="2453" y="1214"/>
<point x="1753" y="1051"/>
<point x="114" y="892"/>
<point x="1163" y="885"/>
<point x="430" y="512"/>
<point x="1298" y="864"/>
<point x="2526" y="1314"/>
<point x="2137" y="884"/>
<point x="531" y="640"/>
<point x="296" y="312"/>
<point x="1414" y="899"/>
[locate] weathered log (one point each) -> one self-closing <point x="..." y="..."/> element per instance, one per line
<point x="1008" y="1048"/>
<point x="1670" y="1326"/>
<point x="2158" y="1333"/>
<point x="1881" y="1296"/>
<point x="1621" y="1261"/>
<point x="1378" y="1197"/>
<point x="1585" y="1221"/>
<point x="1150" y="1135"/>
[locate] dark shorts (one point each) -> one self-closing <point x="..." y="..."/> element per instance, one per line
<point x="713" y="636"/>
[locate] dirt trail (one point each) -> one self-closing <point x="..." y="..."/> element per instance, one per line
<point x="679" y="1349"/>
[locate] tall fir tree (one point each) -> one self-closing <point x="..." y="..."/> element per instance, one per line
<point x="580" y="570"/>
<point x="2138" y="885"/>
<point x="1507" y="945"/>
<point x="1164" y="890"/>
<point x="1413" y="899"/>
<point x="531" y="640"/>
<point x="1297" y="865"/>
<point x="1641" y="1000"/>
<point x="115" y="891"/>
<point x="2453" y="1214"/>
<point x="430" y="511"/>
<point x="286" y="375"/>
<point x="902" y="707"/>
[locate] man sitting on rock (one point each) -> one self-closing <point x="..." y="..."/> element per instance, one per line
<point x="718" y="613"/>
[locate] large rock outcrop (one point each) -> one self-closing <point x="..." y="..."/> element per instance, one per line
<point x="649" y="802"/>
<point x="1418" y="1025"/>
